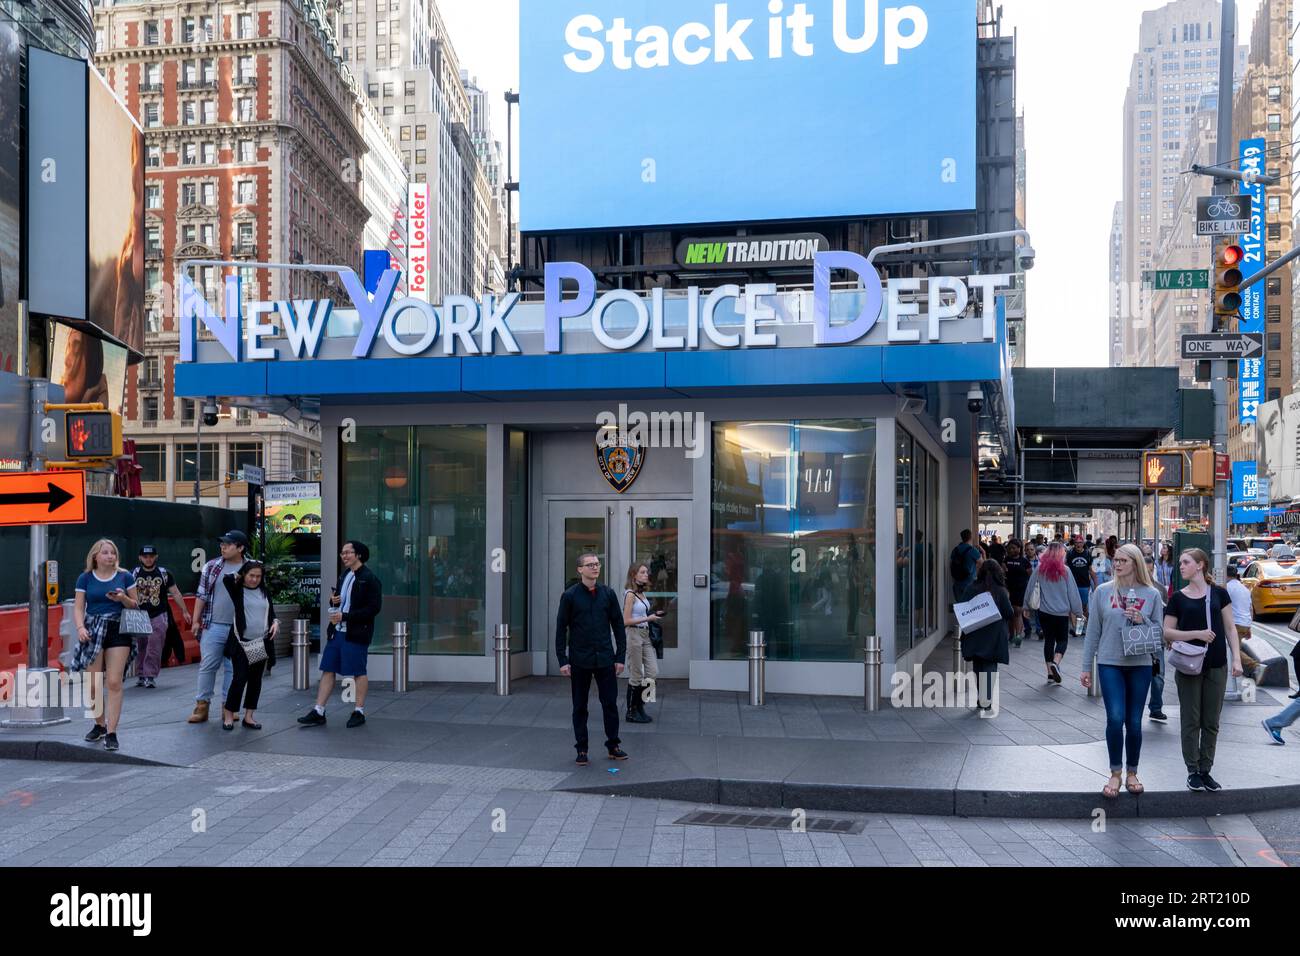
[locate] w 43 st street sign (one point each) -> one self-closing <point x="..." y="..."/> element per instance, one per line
<point x="1166" y="279"/>
<point x="1223" y="345"/>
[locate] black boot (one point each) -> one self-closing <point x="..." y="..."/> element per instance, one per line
<point x="635" y="715"/>
<point x="640" y="706"/>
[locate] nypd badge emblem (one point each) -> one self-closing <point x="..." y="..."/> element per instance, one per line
<point x="620" y="464"/>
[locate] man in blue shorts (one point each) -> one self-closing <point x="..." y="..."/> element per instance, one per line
<point x="352" y="627"/>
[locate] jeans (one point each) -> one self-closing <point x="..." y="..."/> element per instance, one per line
<point x="1084" y="591"/>
<point x="1200" y="696"/>
<point x="1286" y="718"/>
<point x="149" y="646"/>
<point x="212" y="657"/>
<point x="1124" y="691"/>
<point x="607" y="690"/>
<point x="1158" y="682"/>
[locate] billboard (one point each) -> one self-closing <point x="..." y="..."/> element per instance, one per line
<point x="293" y="507"/>
<point x="418" y="223"/>
<point x="1278" y="444"/>
<point x="10" y="199"/>
<point x="1250" y="386"/>
<point x="56" y="184"/>
<point x="1245" y="484"/>
<point x="89" y="368"/>
<point x="115" y="216"/>
<point x="665" y="112"/>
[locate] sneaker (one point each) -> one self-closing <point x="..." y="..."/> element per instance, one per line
<point x="1211" y="784"/>
<point x="149" y="682"/>
<point x="139" y="682"/>
<point x="617" y="754"/>
<point x="1055" y="674"/>
<point x="312" y="719"/>
<point x="96" y="732"/>
<point x="110" y="742"/>
<point x="1274" y="734"/>
<point x="356" y="720"/>
<point x="1159" y="716"/>
<point x="1195" y="783"/>
<point x="582" y="760"/>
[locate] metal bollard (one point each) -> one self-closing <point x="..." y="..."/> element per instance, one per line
<point x="757" y="667"/>
<point x="871" y="673"/>
<point x="401" y="656"/>
<point x="502" y="650"/>
<point x="958" y="665"/>
<point x="1094" y="689"/>
<point x="301" y="655"/>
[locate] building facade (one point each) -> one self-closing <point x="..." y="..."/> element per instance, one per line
<point x="384" y="186"/>
<point x="253" y="151"/>
<point x="1176" y="64"/>
<point x="1118" y="296"/>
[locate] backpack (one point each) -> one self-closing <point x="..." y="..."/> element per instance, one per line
<point x="957" y="564"/>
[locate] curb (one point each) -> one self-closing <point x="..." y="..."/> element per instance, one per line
<point x="62" y="751"/>
<point x="951" y="803"/>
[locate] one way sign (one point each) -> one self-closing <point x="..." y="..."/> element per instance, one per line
<point x="1223" y="345"/>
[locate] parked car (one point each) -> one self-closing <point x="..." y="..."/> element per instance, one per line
<point x="1274" y="588"/>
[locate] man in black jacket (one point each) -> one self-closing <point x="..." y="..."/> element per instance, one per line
<point x="588" y="612"/>
<point x="354" y="608"/>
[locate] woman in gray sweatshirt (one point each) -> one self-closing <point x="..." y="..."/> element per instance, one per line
<point x="1058" y="603"/>
<point x="1128" y="599"/>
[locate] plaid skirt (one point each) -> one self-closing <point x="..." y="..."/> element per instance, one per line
<point x="100" y="627"/>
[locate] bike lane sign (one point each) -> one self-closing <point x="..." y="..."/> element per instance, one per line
<point x="1222" y="215"/>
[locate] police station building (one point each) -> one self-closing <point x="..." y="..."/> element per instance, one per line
<point x="793" y="462"/>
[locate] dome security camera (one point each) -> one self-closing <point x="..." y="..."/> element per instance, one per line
<point x="1026" y="256"/>
<point x="975" y="399"/>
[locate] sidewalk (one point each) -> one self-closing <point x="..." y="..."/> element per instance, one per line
<point x="1043" y="756"/>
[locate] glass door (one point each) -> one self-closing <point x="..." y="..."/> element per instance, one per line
<point x="623" y="532"/>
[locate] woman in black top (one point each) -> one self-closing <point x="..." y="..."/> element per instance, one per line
<point x="1018" y="570"/>
<point x="986" y="647"/>
<point x="1202" y="614"/>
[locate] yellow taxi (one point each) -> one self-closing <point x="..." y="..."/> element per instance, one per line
<point x="1274" y="588"/>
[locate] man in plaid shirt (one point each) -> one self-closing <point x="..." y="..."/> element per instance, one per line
<point x="215" y="612"/>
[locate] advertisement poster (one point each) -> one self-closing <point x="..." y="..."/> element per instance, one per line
<point x="1245" y="486"/>
<point x="10" y="199"/>
<point x="1251" y="386"/>
<point x="89" y="368"/>
<point x="745" y="110"/>
<point x="1278" y="442"/>
<point x="417" y="253"/>
<point x="293" y="508"/>
<point x="116" y="217"/>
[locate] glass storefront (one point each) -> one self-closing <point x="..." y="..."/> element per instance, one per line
<point x="793" y="538"/>
<point x="417" y="496"/>
<point x="916" y="505"/>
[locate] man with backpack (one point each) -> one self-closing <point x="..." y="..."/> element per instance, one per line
<point x="962" y="564"/>
<point x="589" y="611"/>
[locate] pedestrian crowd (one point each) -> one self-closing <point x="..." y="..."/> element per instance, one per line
<point x="1134" y="621"/>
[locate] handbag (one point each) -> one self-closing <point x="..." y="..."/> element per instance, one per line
<point x="134" y="621"/>
<point x="657" y="639"/>
<point x="1189" y="658"/>
<point x="1036" y="598"/>
<point x="254" y="650"/>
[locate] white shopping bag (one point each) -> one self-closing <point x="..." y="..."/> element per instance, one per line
<point x="977" y="612"/>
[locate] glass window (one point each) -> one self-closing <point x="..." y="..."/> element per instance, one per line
<point x="245" y="150"/>
<point x="247" y="192"/>
<point x="905" y="521"/>
<point x="516" y="524"/>
<point x="381" y="28"/>
<point x="421" y="157"/>
<point x="152" y="458"/>
<point x="409" y="88"/>
<point x="243" y="454"/>
<point x="149" y="413"/>
<point x="153" y="156"/>
<point x="209" y="153"/>
<point x="153" y="196"/>
<point x="408" y="108"/>
<point x="388" y="89"/>
<point x="209" y="194"/>
<point x="187" y="412"/>
<point x="394" y="51"/>
<point x="245" y="26"/>
<point x="416" y="497"/>
<point x="405" y="135"/>
<point x="421" y="132"/>
<point x="793" y="538"/>
<point x="205" y="461"/>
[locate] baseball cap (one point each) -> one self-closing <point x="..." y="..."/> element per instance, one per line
<point x="235" y="537"/>
<point x="148" y="549"/>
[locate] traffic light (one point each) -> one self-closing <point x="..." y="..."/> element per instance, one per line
<point x="93" y="436"/>
<point x="1227" y="284"/>
<point x="1163" y="471"/>
<point x="1203" y="469"/>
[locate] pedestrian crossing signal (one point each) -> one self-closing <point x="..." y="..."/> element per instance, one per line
<point x="1227" y="285"/>
<point x="1162" y="471"/>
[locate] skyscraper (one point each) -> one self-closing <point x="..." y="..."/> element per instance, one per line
<point x="1176" y="64"/>
<point x="1118" y="299"/>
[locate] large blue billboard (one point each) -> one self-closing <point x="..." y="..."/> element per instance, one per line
<point x="668" y="112"/>
<point x="1245" y="481"/>
<point x="1250" y="384"/>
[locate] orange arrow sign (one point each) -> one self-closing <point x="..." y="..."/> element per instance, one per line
<point x="50" y="497"/>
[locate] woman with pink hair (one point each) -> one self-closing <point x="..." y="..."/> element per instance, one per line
<point x="1058" y="605"/>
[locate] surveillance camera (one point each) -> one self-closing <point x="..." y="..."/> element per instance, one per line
<point x="1025" y="255"/>
<point x="975" y="399"/>
<point x="210" y="414"/>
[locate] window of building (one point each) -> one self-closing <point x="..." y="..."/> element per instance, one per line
<point x="153" y="196"/>
<point x="347" y="54"/>
<point x="394" y="51"/>
<point x="152" y="117"/>
<point x="245" y="109"/>
<point x="209" y="70"/>
<point x="421" y="177"/>
<point x="1274" y="368"/>
<point x="1275" y="94"/>
<point x="246" y="151"/>
<point x="203" y="464"/>
<point x="388" y="111"/>
<point x="1274" y="232"/>
<point x="361" y="29"/>
<point x="409" y="88"/>
<point x="153" y="76"/>
<point x="245" y="26"/>
<point x="152" y="458"/>
<point x="381" y="53"/>
<point x="210" y="112"/>
<point x="187" y="411"/>
<point x="381" y="28"/>
<point x="373" y="91"/>
<point x="189" y="113"/>
<point x="421" y="157"/>
<point x="1274" y="287"/>
<point x="244" y="454"/>
<point x="153" y="240"/>
<point x="1273" y="314"/>
<point x="421" y="132"/>
<point x="246" y="192"/>
<point x="810" y="485"/>
<point x="1274" y="341"/>
<point x="209" y="154"/>
<point x="153" y="156"/>
<point x="1274" y="204"/>
<point x="245" y="239"/>
<point x="347" y="7"/>
<point x="188" y="234"/>
<point x="1274" y="122"/>
<point x="361" y="54"/>
<point x="381" y="6"/>
<point x="189" y="194"/>
<point x="189" y="154"/>
<point x="347" y="31"/>
<point x="151" y="32"/>
<point x="394" y="27"/>
<point x="409" y="108"/>
<point x="405" y="135"/>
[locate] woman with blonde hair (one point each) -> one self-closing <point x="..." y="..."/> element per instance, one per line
<point x="1201" y="615"/>
<point x="103" y="589"/>
<point x="642" y="663"/>
<point x="1116" y="610"/>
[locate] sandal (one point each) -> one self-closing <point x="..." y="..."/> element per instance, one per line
<point x="252" y="726"/>
<point x="1111" y="790"/>
<point x="1133" y="786"/>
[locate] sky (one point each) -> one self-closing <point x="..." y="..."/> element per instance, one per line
<point x="1074" y="140"/>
